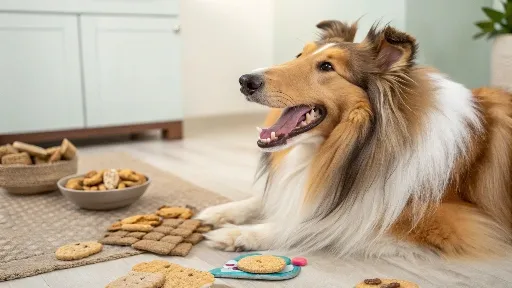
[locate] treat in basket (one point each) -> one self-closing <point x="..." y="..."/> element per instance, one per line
<point x="20" y="153"/>
<point x="30" y="169"/>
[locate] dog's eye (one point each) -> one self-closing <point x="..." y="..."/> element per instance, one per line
<point x="326" y="67"/>
<point x="298" y="55"/>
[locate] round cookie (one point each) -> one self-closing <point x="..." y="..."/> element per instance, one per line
<point x="261" y="264"/>
<point x="139" y="280"/>
<point x="78" y="250"/>
<point x="386" y="283"/>
<point x="188" y="278"/>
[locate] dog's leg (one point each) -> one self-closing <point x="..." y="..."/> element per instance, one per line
<point x="238" y="212"/>
<point x="242" y="238"/>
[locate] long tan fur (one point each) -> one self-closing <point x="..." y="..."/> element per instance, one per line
<point x="475" y="215"/>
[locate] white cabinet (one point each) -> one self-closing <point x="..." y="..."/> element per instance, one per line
<point x="85" y="68"/>
<point x="131" y="70"/>
<point x="40" y="86"/>
<point x="146" y="7"/>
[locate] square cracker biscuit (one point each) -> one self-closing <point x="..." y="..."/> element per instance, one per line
<point x="194" y="238"/>
<point x="182" y="249"/>
<point x="172" y="239"/>
<point x="153" y="236"/>
<point x="119" y="233"/>
<point x="172" y="222"/>
<point x="181" y="232"/>
<point x="137" y="235"/>
<point x="157" y="247"/>
<point x="190" y="224"/>
<point x="163" y="229"/>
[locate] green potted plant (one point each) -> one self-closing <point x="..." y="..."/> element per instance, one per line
<point x="498" y="27"/>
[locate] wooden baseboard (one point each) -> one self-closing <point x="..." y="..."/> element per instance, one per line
<point x="170" y="130"/>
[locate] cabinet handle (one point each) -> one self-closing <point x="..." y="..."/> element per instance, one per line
<point x="177" y="28"/>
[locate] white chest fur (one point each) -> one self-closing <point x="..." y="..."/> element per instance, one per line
<point x="284" y="198"/>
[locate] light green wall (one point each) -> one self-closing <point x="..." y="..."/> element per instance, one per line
<point x="444" y="30"/>
<point x="295" y="20"/>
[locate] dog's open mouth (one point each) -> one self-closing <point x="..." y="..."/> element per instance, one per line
<point x="293" y="121"/>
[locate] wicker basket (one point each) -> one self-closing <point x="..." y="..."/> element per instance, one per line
<point x="33" y="179"/>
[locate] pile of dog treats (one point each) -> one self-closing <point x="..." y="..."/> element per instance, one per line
<point x="168" y="232"/>
<point x="20" y="153"/>
<point x="109" y="179"/>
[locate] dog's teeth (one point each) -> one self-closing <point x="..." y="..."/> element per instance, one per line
<point x="268" y="140"/>
<point x="313" y="114"/>
<point x="303" y="123"/>
<point x="309" y="118"/>
<point x="259" y="129"/>
<point x="273" y="136"/>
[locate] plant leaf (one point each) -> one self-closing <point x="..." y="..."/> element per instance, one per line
<point x="486" y="26"/>
<point x="496" y="16"/>
<point x="507" y="7"/>
<point x="492" y="34"/>
<point x="479" y="35"/>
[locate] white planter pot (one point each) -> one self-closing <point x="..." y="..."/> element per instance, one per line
<point x="501" y="62"/>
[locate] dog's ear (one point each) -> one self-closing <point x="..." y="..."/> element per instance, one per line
<point x="337" y="29"/>
<point x="394" y="50"/>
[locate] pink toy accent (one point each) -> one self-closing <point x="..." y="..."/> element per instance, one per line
<point x="300" y="261"/>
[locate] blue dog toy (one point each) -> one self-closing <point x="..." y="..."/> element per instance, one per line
<point x="230" y="270"/>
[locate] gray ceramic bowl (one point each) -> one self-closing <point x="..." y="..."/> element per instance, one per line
<point x="102" y="200"/>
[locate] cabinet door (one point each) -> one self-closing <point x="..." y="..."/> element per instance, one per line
<point x="40" y="85"/>
<point x="131" y="70"/>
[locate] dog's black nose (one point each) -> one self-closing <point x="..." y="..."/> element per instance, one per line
<point x="250" y="83"/>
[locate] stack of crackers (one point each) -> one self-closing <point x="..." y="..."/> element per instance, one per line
<point x="163" y="274"/>
<point x="168" y="232"/>
<point x="20" y="153"/>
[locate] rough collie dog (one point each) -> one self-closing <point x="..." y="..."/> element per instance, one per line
<point x="368" y="153"/>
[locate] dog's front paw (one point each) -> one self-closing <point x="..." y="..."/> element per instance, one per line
<point x="228" y="239"/>
<point x="216" y="216"/>
<point x="240" y="238"/>
<point x="232" y="213"/>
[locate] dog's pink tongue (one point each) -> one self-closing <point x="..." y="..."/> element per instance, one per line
<point x="287" y="122"/>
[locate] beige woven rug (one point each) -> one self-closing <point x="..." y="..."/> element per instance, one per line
<point x="32" y="227"/>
